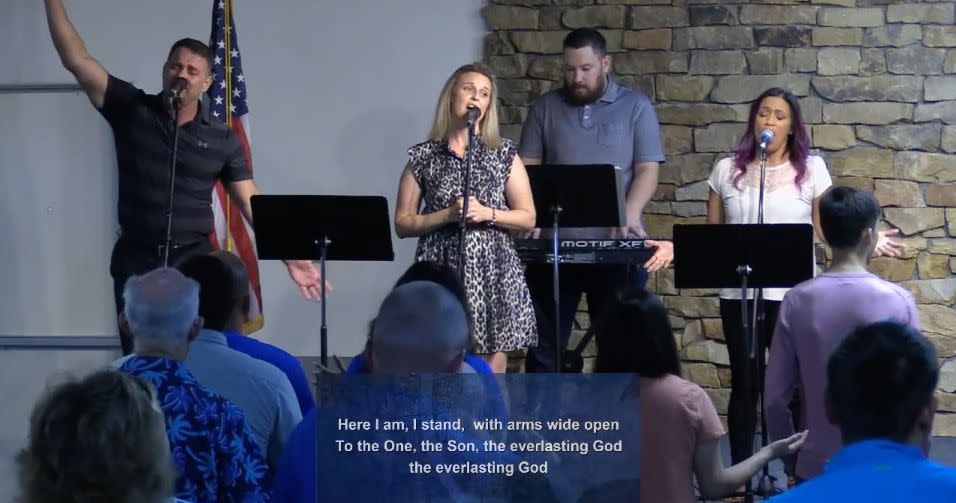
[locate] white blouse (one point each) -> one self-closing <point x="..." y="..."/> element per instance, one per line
<point x="783" y="203"/>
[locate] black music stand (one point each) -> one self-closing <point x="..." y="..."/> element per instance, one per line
<point x="323" y="228"/>
<point x="557" y="190"/>
<point x="745" y="256"/>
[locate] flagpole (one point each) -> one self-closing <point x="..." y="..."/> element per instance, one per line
<point x="234" y="235"/>
<point x="227" y="76"/>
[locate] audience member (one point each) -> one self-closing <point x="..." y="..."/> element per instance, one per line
<point x="260" y="350"/>
<point x="295" y="479"/>
<point x="679" y="427"/>
<point x="817" y="314"/>
<point x="260" y="389"/>
<point x="212" y="445"/>
<point x="101" y="438"/>
<point x="447" y="277"/>
<point x="421" y="329"/>
<point x="881" y="381"/>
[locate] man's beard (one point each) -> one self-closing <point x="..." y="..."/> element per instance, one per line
<point x="580" y="95"/>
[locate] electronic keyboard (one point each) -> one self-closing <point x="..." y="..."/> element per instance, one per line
<point x="585" y="251"/>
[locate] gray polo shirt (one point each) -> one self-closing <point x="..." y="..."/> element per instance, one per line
<point x="620" y="128"/>
<point x="260" y="389"/>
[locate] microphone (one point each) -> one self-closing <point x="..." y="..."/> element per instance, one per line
<point x="766" y="138"/>
<point x="473" y="113"/>
<point x="173" y="100"/>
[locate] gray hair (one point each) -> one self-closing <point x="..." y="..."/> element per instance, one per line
<point x="80" y="445"/>
<point x="161" y="306"/>
<point x="420" y="327"/>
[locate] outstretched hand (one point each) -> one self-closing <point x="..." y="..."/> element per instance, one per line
<point x="787" y="446"/>
<point x="887" y="247"/>
<point x="307" y="277"/>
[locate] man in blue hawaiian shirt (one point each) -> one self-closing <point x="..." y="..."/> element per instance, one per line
<point x="212" y="446"/>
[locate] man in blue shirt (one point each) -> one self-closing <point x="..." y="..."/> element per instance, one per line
<point x="592" y="120"/>
<point x="260" y="389"/>
<point x="213" y="448"/>
<point x="288" y="364"/>
<point x="420" y="338"/>
<point x="880" y="392"/>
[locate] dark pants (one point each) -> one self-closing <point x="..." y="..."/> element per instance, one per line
<point x="598" y="281"/>
<point x="745" y="382"/>
<point x="131" y="258"/>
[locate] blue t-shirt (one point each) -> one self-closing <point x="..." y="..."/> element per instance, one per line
<point x="312" y="458"/>
<point x="295" y="480"/>
<point x="359" y="364"/>
<point x="877" y="471"/>
<point x="494" y="403"/>
<point x="288" y="364"/>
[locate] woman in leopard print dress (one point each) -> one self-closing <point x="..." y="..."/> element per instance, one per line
<point x="502" y="314"/>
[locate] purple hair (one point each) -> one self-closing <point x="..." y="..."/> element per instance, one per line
<point x="798" y="143"/>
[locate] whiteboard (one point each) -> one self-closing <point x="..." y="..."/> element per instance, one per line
<point x="58" y="216"/>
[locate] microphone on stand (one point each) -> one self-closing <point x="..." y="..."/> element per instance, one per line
<point x="172" y="95"/>
<point x="173" y="102"/>
<point x="766" y="138"/>
<point x="473" y="114"/>
<point x="470" y="119"/>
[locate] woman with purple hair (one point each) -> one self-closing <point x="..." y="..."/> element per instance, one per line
<point x="794" y="182"/>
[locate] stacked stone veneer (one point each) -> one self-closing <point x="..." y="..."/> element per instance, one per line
<point x="877" y="80"/>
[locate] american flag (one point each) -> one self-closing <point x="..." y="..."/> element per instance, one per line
<point x="227" y="102"/>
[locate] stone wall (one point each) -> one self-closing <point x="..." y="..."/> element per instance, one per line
<point x="878" y="89"/>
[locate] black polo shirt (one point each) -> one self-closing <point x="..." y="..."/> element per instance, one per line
<point x="143" y="133"/>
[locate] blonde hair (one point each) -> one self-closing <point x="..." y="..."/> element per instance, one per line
<point x="488" y="130"/>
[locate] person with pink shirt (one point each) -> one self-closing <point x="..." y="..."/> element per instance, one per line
<point x="816" y="315"/>
<point x="679" y="427"/>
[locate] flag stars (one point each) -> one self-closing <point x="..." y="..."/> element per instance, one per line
<point x="222" y="84"/>
<point x="219" y="100"/>
<point x="222" y="5"/>
<point x="234" y="53"/>
<point x="217" y="60"/>
<point x="232" y="108"/>
<point x="240" y="78"/>
<point x="236" y="92"/>
<point x="222" y="44"/>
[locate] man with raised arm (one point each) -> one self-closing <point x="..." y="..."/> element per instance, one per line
<point x="142" y="127"/>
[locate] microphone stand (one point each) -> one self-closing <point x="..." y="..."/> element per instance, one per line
<point x="765" y="487"/>
<point x="174" y="104"/>
<point x="466" y="195"/>
<point x="758" y="292"/>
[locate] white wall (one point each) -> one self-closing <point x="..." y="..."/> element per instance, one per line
<point x="338" y="90"/>
<point x="344" y="93"/>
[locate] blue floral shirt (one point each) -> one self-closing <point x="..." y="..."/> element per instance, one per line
<point x="215" y="452"/>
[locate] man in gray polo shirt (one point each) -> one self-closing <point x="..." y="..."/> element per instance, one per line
<point x="592" y="120"/>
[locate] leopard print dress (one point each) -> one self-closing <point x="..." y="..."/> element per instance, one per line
<point x="502" y="313"/>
